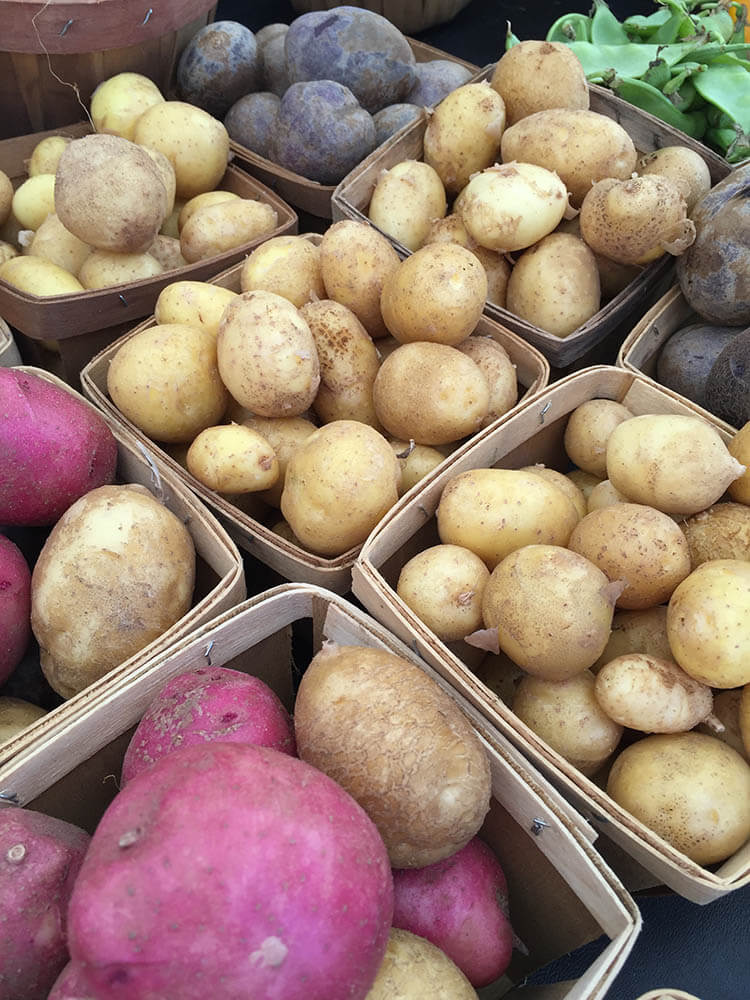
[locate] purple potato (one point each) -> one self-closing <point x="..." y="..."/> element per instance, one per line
<point x="434" y="80"/>
<point x="251" y="122"/>
<point x="218" y="65"/>
<point x="390" y="119"/>
<point x="274" y="75"/>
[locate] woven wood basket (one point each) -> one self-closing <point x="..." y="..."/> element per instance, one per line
<point x="9" y="355"/>
<point x="408" y="15"/>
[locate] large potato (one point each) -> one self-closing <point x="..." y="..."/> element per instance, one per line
<point x="120" y="100"/>
<point x="116" y="571"/>
<point x="339" y="484"/>
<point x="412" y="761"/>
<point x="214" y="229"/>
<point x="267" y="356"/>
<point x="533" y="75"/>
<point x="218" y="65"/>
<point x="38" y="276"/>
<point x="406" y="200"/>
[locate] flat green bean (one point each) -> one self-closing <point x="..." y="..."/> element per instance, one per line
<point x="605" y="28"/>
<point x="645" y="25"/>
<point x="727" y="86"/>
<point x="570" y="28"/>
<point x="651" y="100"/>
<point x="628" y="60"/>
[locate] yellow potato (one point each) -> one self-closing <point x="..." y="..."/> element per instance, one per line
<point x="562" y="482"/>
<point x="493" y="512"/>
<point x="7" y="250"/>
<point x="202" y="201"/>
<point x="719" y="532"/>
<point x="416" y="461"/>
<point x="53" y="242"/>
<point x="685" y="167"/>
<point x="743" y="714"/>
<point x="285" y="435"/>
<point x="739" y="448"/>
<point x="406" y="200"/>
<point x="286" y="265"/>
<point x="232" y="458"/>
<point x="6" y="197"/>
<point x="637" y="632"/>
<point x="119" y="101"/>
<point x="195" y="303"/>
<point x="34" y="200"/>
<point x="727" y="714"/>
<point x="165" y="380"/>
<point x="167" y="251"/>
<point x="604" y="495"/>
<point x="167" y="174"/>
<point x="267" y="355"/>
<point x="104" y="268"/>
<point x="15" y="715"/>
<point x="45" y="156"/>
<point x="214" y="229"/>
<point x="413" y="968"/>
<point x="585" y="481"/>
<point x="533" y="75"/>
<point x="39" y="276"/>
<point x="587" y="432"/>
<point x="494" y="362"/>
<point x="170" y="225"/>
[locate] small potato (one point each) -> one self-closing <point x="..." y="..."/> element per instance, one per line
<point x="637" y="632"/>
<point x="493" y="512"/>
<point x="45" y="156"/>
<point x="739" y="448"/>
<point x="689" y="788"/>
<point x="195" y="303"/>
<point x="38" y="276"/>
<point x="120" y="100"/>
<point x="534" y="75"/>
<point x="15" y="715"/>
<point x="53" y="242"/>
<point x="651" y="695"/>
<point x="267" y="356"/>
<point x="285" y="435"/>
<point x="355" y="261"/>
<point x="167" y="251"/>
<point x="567" y="716"/>
<point x="604" y="495"/>
<point x="214" y="229"/>
<point x="170" y="225"/>
<point x="413" y="967"/>
<point x="339" y="483"/>
<point x="587" y="432"/>
<point x="104" y="268"/>
<point x="728" y="713"/>
<point x="431" y="393"/>
<point x="203" y="201"/>
<point x="685" y="167"/>
<point x="494" y="362"/>
<point x="443" y="585"/>
<point x="406" y="200"/>
<point x="463" y="134"/>
<point x="231" y="458"/>
<point x="34" y="200"/>
<point x="552" y="609"/>
<point x="674" y="462"/>
<point x="501" y="675"/>
<point x="251" y="122"/>
<point x="638" y="545"/>
<point x="562" y="482"/>
<point x="436" y="294"/>
<point x="348" y="363"/>
<point x="416" y="461"/>
<point x="510" y="206"/>
<point x="743" y="710"/>
<point x="7" y="250"/>
<point x="286" y="265"/>
<point x="6" y="197"/>
<point x="165" y="380"/>
<point x="585" y="481"/>
<point x="719" y="532"/>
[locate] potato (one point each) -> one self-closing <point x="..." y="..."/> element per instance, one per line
<point x="726" y="722"/>
<point x="193" y="303"/>
<point x="743" y="711"/>
<point x="604" y="495"/>
<point x="584" y="481"/>
<point x="231" y="458"/>
<point x="195" y="143"/>
<point x="53" y="242"/>
<point x="38" y="276"/>
<point x="636" y="221"/>
<point x="15" y="715"/>
<point x="15" y="595"/>
<point x="719" y="532"/>
<point x="436" y="294"/>
<point x="414" y="967"/>
<point x="251" y="121"/>
<point x="45" y="156"/>
<point x="637" y="632"/>
<point x="203" y="201"/>
<point x="512" y="205"/>
<point x="166" y="251"/>
<point x="166" y="381"/>
<point x="355" y="260"/>
<point x="686" y="359"/>
<point x="555" y="285"/>
<point x="7" y="251"/>
<point x="708" y="623"/>
<point x="115" y="572"/>
<point x="427" y="797"/>
<point x="34" y="200"/>
<point x="534" y="75"/>
<point x="104" y="268"/>
<point x="494" y="362"/>
<point x="739" y="448"/>
<point x="274" y="75"/>
<point x="675" y="462"/>
<point x="170" y="225"/>
<point x="406" y="200"/>
<point x="267" y="356"/>
<point x="217" y="66"/>
<point x="587" y="432"/>
<point x="443" y="585"/>
<point x="562" y="482"/>
<point x="638" y="545"/>
<point x="6" y="196"/>
<point x="651" y="694"/>
<point x="684" y="166"/>
<point x="393" y="117"/>
<point x="416" y="461"/>
<point x="727" y="393"/>
<point x="451" y="229"/>
<point x="215" y="229"/>
<point x="430" y="392"/>
<point x="348" y="363"/>
<point x="120" y="100"/>
<point x="286" y="265"/>
<point x="434" y="80"/>
<point x="463" y="134"/>
<point x="339" y="484"/>
<point x="493" y="512"/>
<point x="285" y="435"/>
<point x="580" y="146"/>
<point x="689" y="788"/>
<point x="567" y="716"/>
<point x="552" y="609"/>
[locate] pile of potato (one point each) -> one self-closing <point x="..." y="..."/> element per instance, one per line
<point x="328" y="386"/>
<point x="132" y="200"/>
<point x="611" y="604"/>
<point x="553" y="197"/>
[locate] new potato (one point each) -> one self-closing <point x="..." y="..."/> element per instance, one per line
<point x="285" y="435"/>
<point x="231" y="458"/>
<point x="494" y="362"/>
<point x="286" y="265"/>
<point x="193" y="303"/>
<point x="34" y="200"/>
<point x="55" y="243"/>
<point x="533" y="75"/>
<point x="587" y="432"/>
<point x="38" y="276"/>
<point x="406" y="200"/>
<point x="120" y="100"/>
<point x="214" y="229"/>
<point x="104" y="268"/>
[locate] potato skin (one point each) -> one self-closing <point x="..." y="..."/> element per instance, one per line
<point x="406" y="200"/>
<point x="214" y="229"/>
<point x="719" y="532"/>
<point x="286" y="265"/>
<point x="232" y="458"/>
<point x="587" y="432"/>
<point x="426" y="787"/>
<point x="534" y="75"/>
<point x="413" y="967"/>
<point x="217" y="66"/>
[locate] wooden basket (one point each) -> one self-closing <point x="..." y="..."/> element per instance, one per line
<point x="287" y="559"/>
<point x="408" y="15"/>
<point x="543" y="846"/>
<point x="54" y="55"/>
<point x="310" y="196"/>
<point x="351" y="200"/>
<point x="640" y="350"/>
<point x="534" y="433"/>
<point x="9" y="355"/>
<point x="83" y="322"/>
<point x="220" y="574"/>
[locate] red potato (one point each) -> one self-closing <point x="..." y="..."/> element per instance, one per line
<point x="15" y="607"/>
<point x="40" y="857"/>
<point x="230" y="871"/>
<point x="459" y="904"/>
<point x="204" y="705"/>
<point x="55" y="448"/>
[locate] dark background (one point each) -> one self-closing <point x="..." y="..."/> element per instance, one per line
<point x="704" y="950"/>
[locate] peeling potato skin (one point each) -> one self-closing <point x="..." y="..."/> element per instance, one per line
<point x="381" y="728"/>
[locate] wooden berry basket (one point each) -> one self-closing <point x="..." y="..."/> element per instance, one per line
<point x="534" y="434"/>
<point x="543" y="845"/>
<point x="351" y="200"/>
<point x="9" y="355"/>
<point x="250" y="533"/>
<point x="220" y="574"/>
<point x="408" y="15"/>
<point x="311" y="196"/>
<point x="53" y="55"/>
<point x="83" y="322"/>
<point x="641" y="348"/>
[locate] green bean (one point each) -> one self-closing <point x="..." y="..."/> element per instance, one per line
<point x="628" y="60"/>
<point x="570" y="28"/>
<point x="685" y="96"/>
<point x="644" y="26"/>
<point x="726" y="86"/>
<point x="717" y="24"/>
<point x="679" y="24"/>
<point x="658" y="73"/>
<point x="651" y="100"/>
<point x="605" y="28"/>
